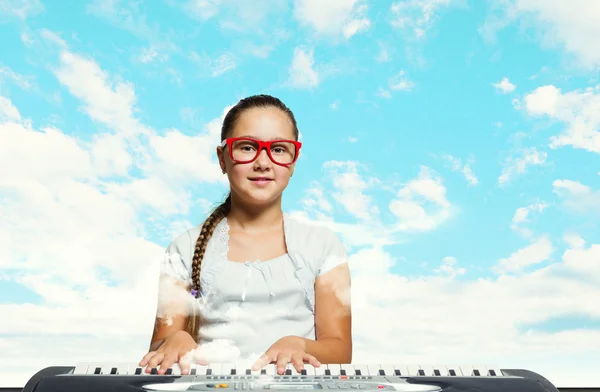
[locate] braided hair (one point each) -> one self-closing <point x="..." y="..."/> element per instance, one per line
<point x="222" y="211"/>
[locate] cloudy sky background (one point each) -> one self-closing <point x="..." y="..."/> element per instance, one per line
<point x="453" y="144"/>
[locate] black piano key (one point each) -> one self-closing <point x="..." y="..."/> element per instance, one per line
<point x="303" y="372"/>
<point x="288" y="372"/>
<point x="357" y="371"/>
<point x="97" y="370"/>
<point x="328" y="372"/>
<point x="381" y="372"/>
<point x="208" y="372"/>
<point x="421" y="372"/>
<point x="113" y="370"/>
<point x="492" y="372"/>
<point x="193" y="371"/>
<point x="397" y="372"/>
<point x="248" y="372"/>
<point x="342" y="372"/>
<point x="452" y="372"/>
<point x="437" y="372"/>
<point x="476" y="372"/>
<point x="138" y="370"/>
<point x="263" y="371"/>
<point x="154" y="371"/>
<point x="169" y="371"/>
<point x="233" y="372"/>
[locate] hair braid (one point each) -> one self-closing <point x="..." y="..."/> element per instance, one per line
<point x="206" y="232"/>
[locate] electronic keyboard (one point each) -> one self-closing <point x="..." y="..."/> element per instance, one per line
<point x="229" y="377"/>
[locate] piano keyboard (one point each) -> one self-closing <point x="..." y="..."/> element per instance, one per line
<point x="232" y="369"/>
<point x="234" y="377"/>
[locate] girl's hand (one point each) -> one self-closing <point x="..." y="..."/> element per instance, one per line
<point x="173" y="350"/>
<point x="285" y="350"/>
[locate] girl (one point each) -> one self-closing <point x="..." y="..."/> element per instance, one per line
<point x="251" y="274"/>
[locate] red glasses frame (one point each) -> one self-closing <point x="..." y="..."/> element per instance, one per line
<point x="261" y="145"/>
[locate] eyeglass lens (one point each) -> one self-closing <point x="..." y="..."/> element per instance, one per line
<point x="247" y="150"/>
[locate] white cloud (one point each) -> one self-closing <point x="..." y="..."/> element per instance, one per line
<point x="467" y="171"/>
<point x="109" y="102"/>
<point x="574" y="240"/>
<point x="521" y="216"/>
<point x="533" y="254"/>
<point x="421" y="204"/>
<point x="505" y="86"/>
<point x="350" y="190"/>
<point x="578" y="110"/>
<point x="8" y="112"/>
<point x="418" y="205"/>
<point x="22" y="9"/>
<point x="577" y="196"/>
<point x="214" y="66"/>
<point x="302" y="73"/>
<point x="333" y="17"/>
<point x="556" y="24"/>
<point x="401" y="82"/>
<point x="448" y="267"/>
<point x="518" y="163"/>
<point x="507" y="307"/>
<point x="20" y="80"/>
<point x="416" y="15"/>
<point x="203" y="9"/>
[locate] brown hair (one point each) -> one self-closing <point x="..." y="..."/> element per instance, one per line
<point x="255" y="101"/>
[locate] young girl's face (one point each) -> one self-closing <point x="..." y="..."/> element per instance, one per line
<point x="263" y="124"/>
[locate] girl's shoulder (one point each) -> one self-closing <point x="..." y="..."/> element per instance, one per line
<point x="315" y="242"/>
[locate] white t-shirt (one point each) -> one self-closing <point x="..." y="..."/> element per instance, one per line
<point x="246" y="307"/>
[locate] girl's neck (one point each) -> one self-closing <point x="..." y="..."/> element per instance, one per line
<point x="253" y="219"/>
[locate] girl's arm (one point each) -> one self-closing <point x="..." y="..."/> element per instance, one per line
<point x="172" y="312"/>
<point x="333" y="317"/>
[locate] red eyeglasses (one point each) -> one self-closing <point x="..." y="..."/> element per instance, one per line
<point x="246" y="150"/>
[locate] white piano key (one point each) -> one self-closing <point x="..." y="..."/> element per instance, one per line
<point x="242" y="367"/>
<point x="320" y="370"/>
<point x="334" y="368"/>
<point x="175" y="370"/>
<point x="226" y="369"/>
<point x="310" y="369"/>
<point x="347" y="368"/>
<point x="271" y="369"/>
<point x="81" y="368"/>
<point x="292" y="370"/>
<point x="108" y="369"/>
<point x="494" y="371"/>
<point x="132" y="368"/>
<point x="216" y="368"/>
<point x="467" y="370"/>
<point x="93" y="366"/>
<point x="479" y="370"/>
<point x="439" y="370"/>
<point x="362" y="369"/>
<point x="454" y="368"/>
<point x="428" y="369"/>
<point x="388" y="369"/>
<point x="200" y="369"/>
<point x="402" y="368"/>
<point x="413" y="370"/>
<point x="373" y="369"/>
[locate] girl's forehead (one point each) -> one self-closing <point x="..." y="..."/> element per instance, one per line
<point x="264" y="124"/>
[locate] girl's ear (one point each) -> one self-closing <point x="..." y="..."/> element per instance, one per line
<point x="221" y="158"/>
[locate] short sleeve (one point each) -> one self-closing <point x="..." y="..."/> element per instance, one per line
<point x="177" y="258"/>
<point x="334" y="252"/>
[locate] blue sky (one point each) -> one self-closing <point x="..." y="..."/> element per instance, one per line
<point x="453" y="145"/>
